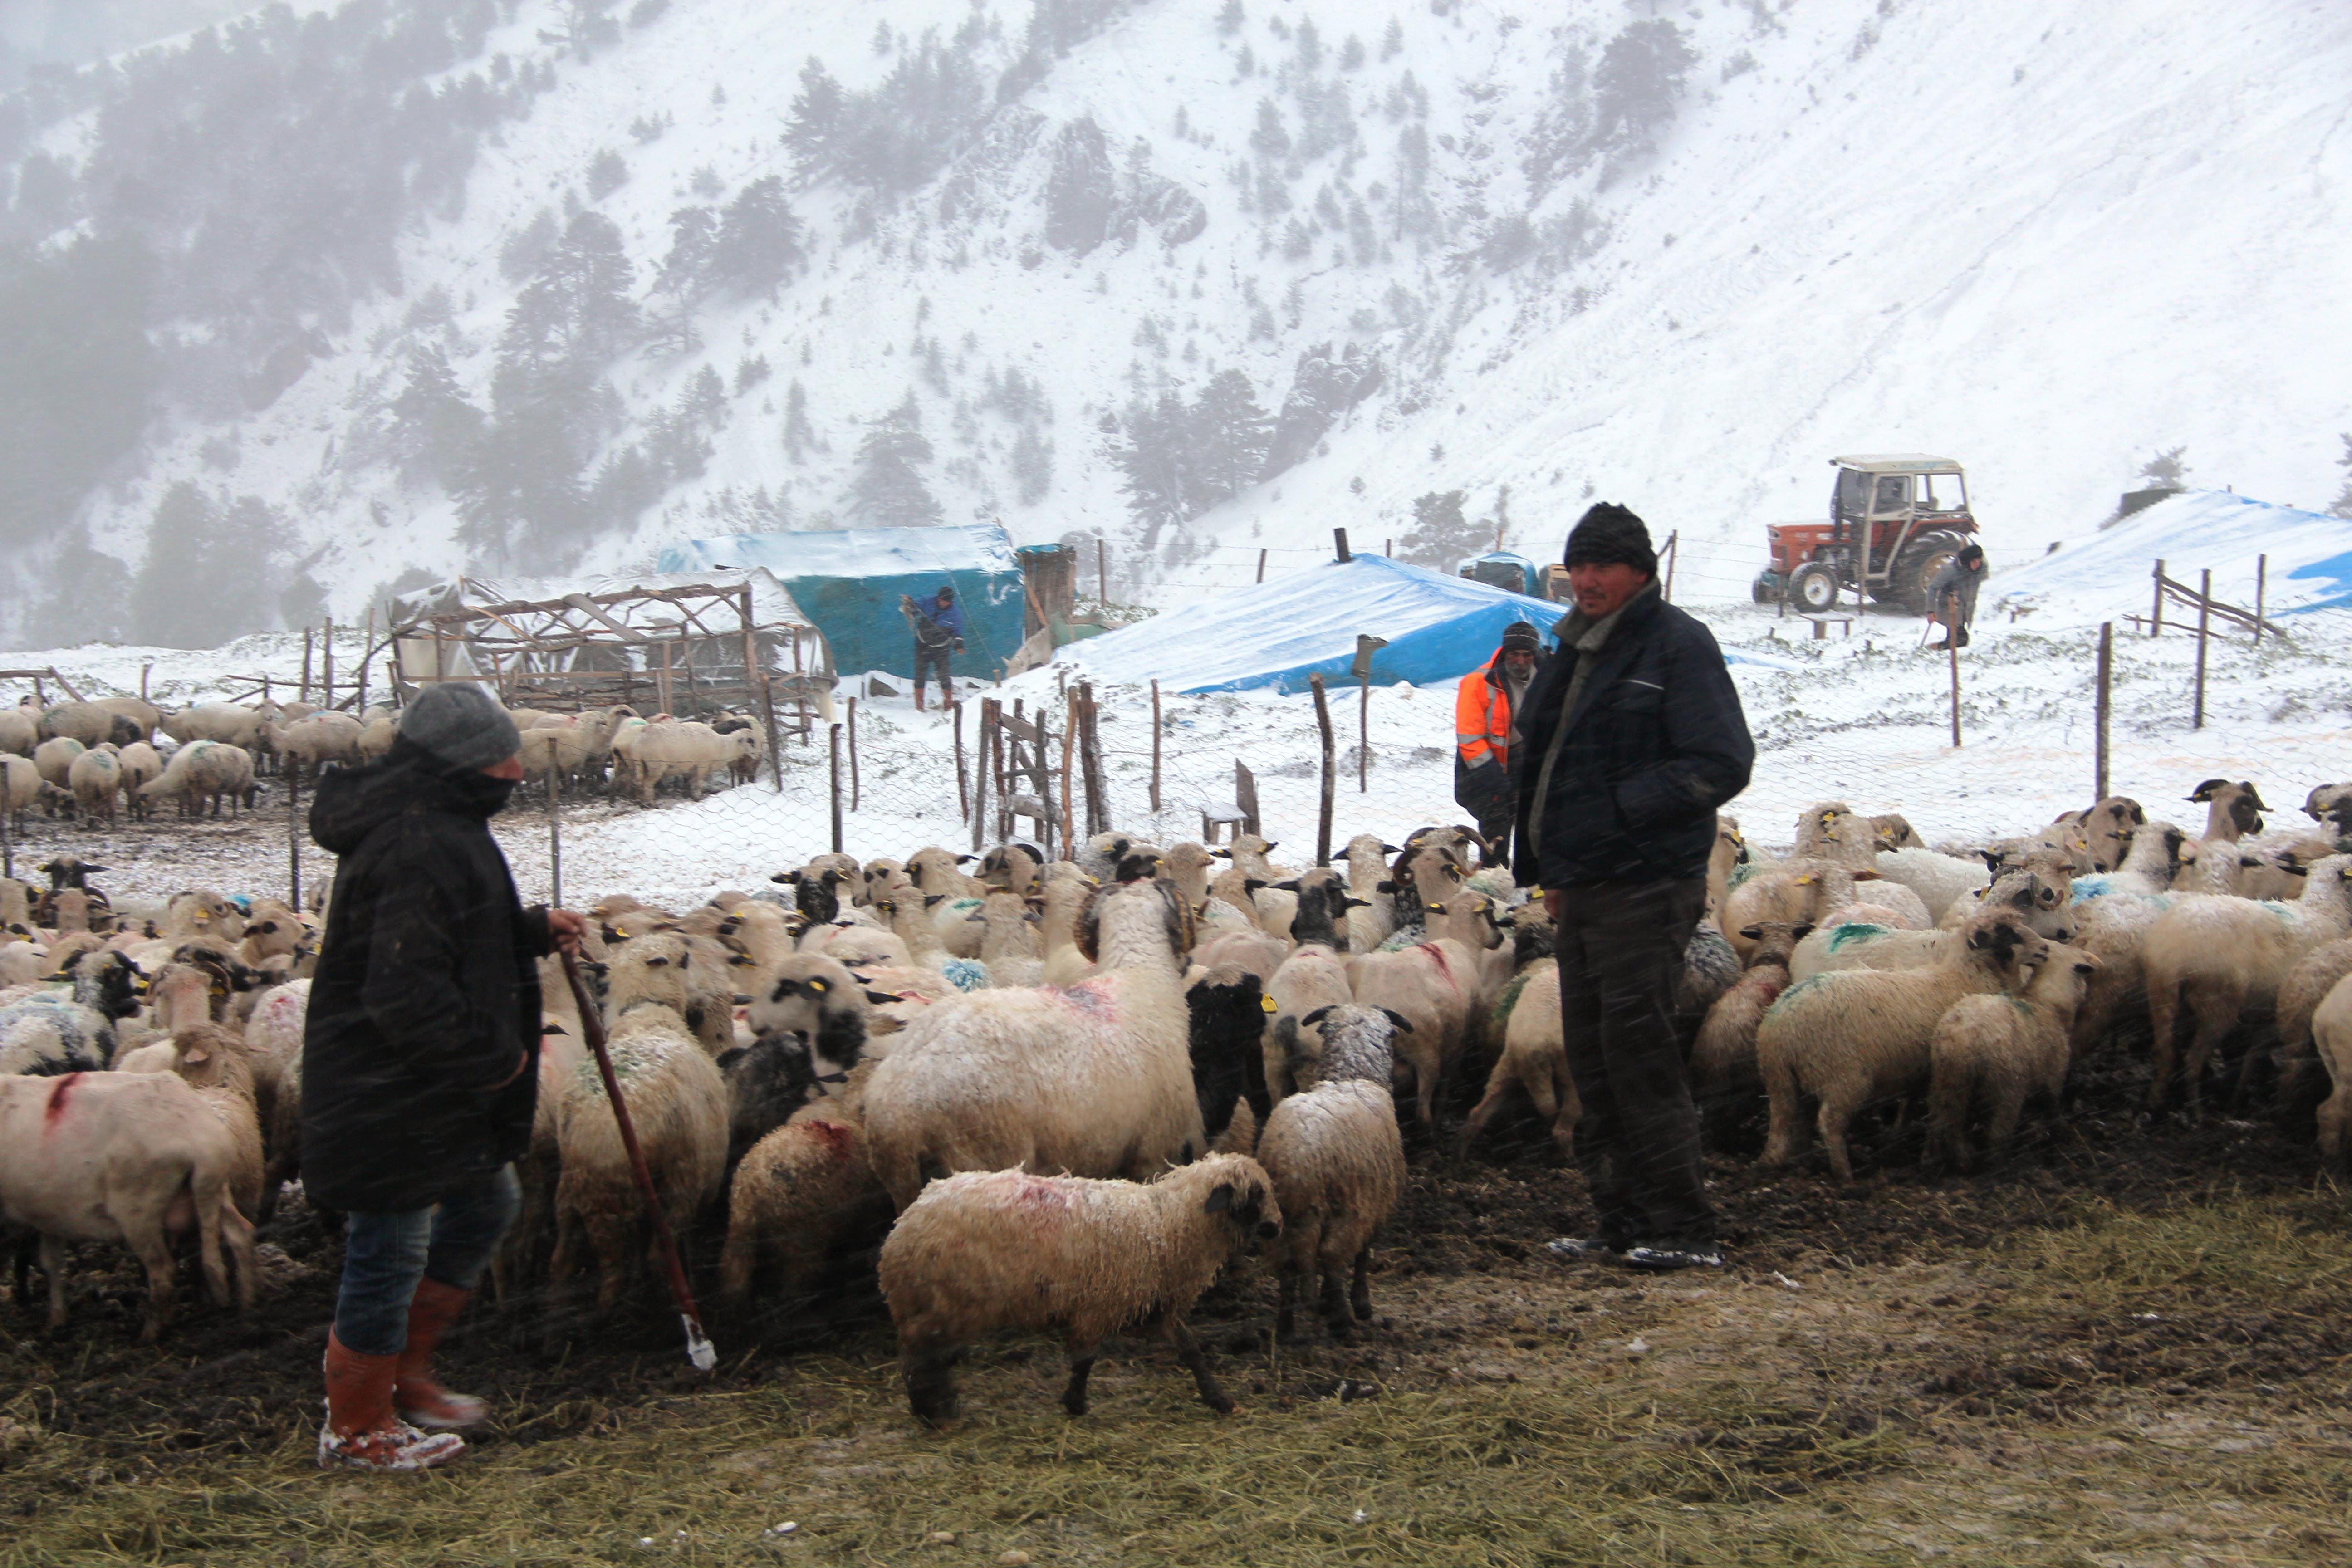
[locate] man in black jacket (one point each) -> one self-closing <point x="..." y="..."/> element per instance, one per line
<point x="420" y="1059"/>
<point x="1631" y="737"/>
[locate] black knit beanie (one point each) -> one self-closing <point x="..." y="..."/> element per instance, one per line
<point x="1608" y="533"/>
<point x="1521" y="636"/>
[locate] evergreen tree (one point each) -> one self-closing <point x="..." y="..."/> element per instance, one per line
<point x="887" y="490"/>
<point x="798" y="437"/>
<point x="1033" y="467"/>
<point x="1392" y="41"/>
<point x="1152" y="449"/>
<point x="682" y="280"/>
<point x="208" y="569"/>
<point x="1269" y="139"/>
<point x="607" y="173"/>
<point x="1311" y="45"/>
<point x="814" y="134"/>
<point x="1440" y="535"/>
<point x="90" y="599"/>
<point x="758" y="241"/>
<point x="436" y="429"/>
<point x="1229" y="19"/>
<point x="1638" y="86"/>
<point x="1230" y="434"/>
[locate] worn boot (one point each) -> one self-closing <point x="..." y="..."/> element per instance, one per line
<point x="416" y="1394"/>
<point x="361" y="1433"/>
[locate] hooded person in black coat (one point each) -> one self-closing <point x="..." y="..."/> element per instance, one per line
<point x="419" y="1062"/>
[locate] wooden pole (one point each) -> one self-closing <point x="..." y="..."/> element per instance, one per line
<point x="1952" y="641"/>
<point x="1364" y="736"/>
<point x="1323" y="725"/>
<point x="1090" y="765"/>
<point x="834" y="777"/>
<point x="2106" y="706"/>
<point x="2204" y="622"/>
<point x="367" y="650"/>
<point x="775" y="741"/>
<point x="306" y="664"/>
<point x="555" y="837"/>
<point x="2155" y="614"/>
<point x="327" y="665"/>
<point x="963" y="784"/>
<point x="853" y="793"/>
<point x="1155" y="744"/>
<point x="1387" y="547"/>
<point x="2261" y="583"/>
<point x="144" y="670"/>
<point x="1069" y="735"/>
<point x="1102" y="571"/>
<point x="1339" y="542"/>
<point x="1673" y="548"/>
<point x="1261" y="565"/>
<point x="979" y="781"/>
<point x="293" y="837"/>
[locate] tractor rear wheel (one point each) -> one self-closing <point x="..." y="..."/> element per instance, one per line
<point x="1813" y="587"/>
<point x="1906" y="585"/>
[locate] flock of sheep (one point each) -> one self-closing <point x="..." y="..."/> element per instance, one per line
<point x="1066" y="1094"/>
<point x="93" y="760"/>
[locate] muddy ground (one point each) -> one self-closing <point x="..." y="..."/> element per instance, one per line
<point x="1903" y="1333"/>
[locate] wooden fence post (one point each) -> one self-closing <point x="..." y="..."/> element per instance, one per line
<point x="1155" y="744"/>
<point x="2204" y="622"/>
<point x="1261" y="565"/>
<point x="555" y="837"/>
<point x="964" y="787"/>
<point x="979" y="774"/>
<point x="1069" y="735"/>
<point x="852" y="754"/>
<point x="2104" y="708"/>
<point x="775" y="741"/>
<point x="1673" y="548"/>
<point x="327" y="661"/>
<point x="833" y="778"/>
<point x="306" y="664"/>
<point x="367" y="650"/>
<point x="1102" y="571"/>
<point x="293" y="836"/>
<point x="2155" y="614"/>
<point x="1340" y="544"/>
<point x="1952" y="642"/>
<point x="1323" y="727"/>
<point x="2262" y="583"/>
<point x="1245" y="797"/>
<point x="1090" y="768"/>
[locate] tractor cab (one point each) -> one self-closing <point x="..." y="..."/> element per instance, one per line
<point x="1894" y="522"/>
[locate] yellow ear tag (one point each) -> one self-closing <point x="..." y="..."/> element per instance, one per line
<point x="1267" y="1002"/>
<point x="816" y="985"/>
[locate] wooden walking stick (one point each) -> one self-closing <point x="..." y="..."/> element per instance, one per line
<point x="698" y="1349"/>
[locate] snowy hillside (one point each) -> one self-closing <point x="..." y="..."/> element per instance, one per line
<point x="1446" y="247"/>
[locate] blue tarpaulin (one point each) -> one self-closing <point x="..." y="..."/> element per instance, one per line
<point x="1438" y="627"/>
<point x="850" y="583"/>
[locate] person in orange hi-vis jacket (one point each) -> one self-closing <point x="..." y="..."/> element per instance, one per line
<point x="1483" y="706"/>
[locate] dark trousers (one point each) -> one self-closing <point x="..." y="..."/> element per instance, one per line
<point x="935" y="659"/>
<point x="386" y="1255"/>
<point x="1621" y="951"/>
<point x="1487" y="796"/>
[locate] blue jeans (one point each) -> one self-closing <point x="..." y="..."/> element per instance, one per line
<point x="385" y="1255"/>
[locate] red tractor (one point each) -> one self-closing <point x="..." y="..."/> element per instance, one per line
<point x="1894" y="522"/>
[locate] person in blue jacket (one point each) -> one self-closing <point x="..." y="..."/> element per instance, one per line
<point x="938" y="631"/>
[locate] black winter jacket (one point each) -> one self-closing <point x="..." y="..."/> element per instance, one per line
<point x="1657" y="744"/>
<point x="427" y="996"/>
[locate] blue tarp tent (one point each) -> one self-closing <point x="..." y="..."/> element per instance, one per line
<point x="849" y="585"/>
<point x="2107" y="576"/>
<point x="1276" y="634"/>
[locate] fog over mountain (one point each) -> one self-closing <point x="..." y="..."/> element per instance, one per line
<point x="320" y="300"/>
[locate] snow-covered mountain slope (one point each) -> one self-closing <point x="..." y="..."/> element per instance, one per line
<point x="2046" y="239"/>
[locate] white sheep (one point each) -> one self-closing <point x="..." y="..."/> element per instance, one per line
<point x="1723" y="1071"/>
<point x="1094" y="1080"/>
<point x="803" y="1190"/>
<point x="678" y="1102"/>
<point x="204" y="770"/>
<point x="2037" y="894"/>
<point x="1857" y="1037"/>
<point x="1994" y="1053"/>
<point x="55" y="759"/>
<point x="1434" y="986"/>
<point x="1338" y="1164"/>
<point x="985" y="1252"/>
<point x="128" y="1158"/>
<point x="2216" y="958"/>
<point x="20" y="786"/>
<point x="1939" y="880"/>
<point x="226" y="722"/>
<point x="96" y="779"/>
<point x="2331" y="1034"/>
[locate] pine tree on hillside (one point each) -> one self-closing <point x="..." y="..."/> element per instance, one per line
<point x="209" y="569"/>
<point x="1031" y="462"/>
<point x="1392" y="41"/>
<point x="434" y="429"/>
<point x="1639" y="85"/>
<point x="758" y="242"/>
<point x="1440" y="534"/>
<point x="587" y="279"/>
<point x="1152" y="448"/>
<point x="1229" y="19"/>
<point x="887" y="490"/>
<point x="1269" y="139"/>
<point x="1230" y="434"/>
<point x="682" y="280"/>
<point x="798" y="437"/>
<point x="816" y="117"/>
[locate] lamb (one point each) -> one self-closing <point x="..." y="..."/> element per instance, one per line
<point x="988" y="1251"/>
<point x="1373" y="917"/>
<point x="1941" y="881"/>
<point x="1312" y="978"/>
<point x="1095" y="1079"/>
<point x="92" y="724"/>
<point x="20" y="786"/>
<point x="1064" y="906"/>
<point x="1337" y="1161"/>
<point x="817" y="889"/>
<point x="912" y="922"/>
<point x="691" y="975"/>
<point x="122" y="1157"/>
<point x="941" y="871"/>
<point x="96" y="780"/>
<point x="2109" y="829"/>
<point x="320" y="740"/>
<point x="1225" y="1014"/>
<point x="2331" y="1034"/>
<point x="2232" y="811"/>
<point x="686" y="750"/>
<point x="1012" y="866"/>
<point x="1723" y="1070"/>
<point x="1010" y="952"/>
<point x="1860" y="1036"/>
<point x="678" y="1102"/>
<point x="1099" y="858"/>
<point x="212" y="1061"/>
<point x="817" y="1000"/>
<point x="2037" y="894"/>
<point x="1188" y="865"/>
<point x="803" y="1192"/>
<point x="2216" y="958"/>
<point x="226" y="722"/>
<point x="1994" y="1052"/>
<point x="376" y="736"/>
<point x="2306" y="986"/>
<point x="20" y="731"/>
<point x="140" y="764"/>
<point x="1894" y="831"/>
<point x="1434" y="986"/>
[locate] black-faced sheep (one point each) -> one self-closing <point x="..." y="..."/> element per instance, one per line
<point x="1337" y="1163"/>
<point x="1227" y="1012"/>
<point x="804" y="1191"/>
<point x="985" y="1252"/>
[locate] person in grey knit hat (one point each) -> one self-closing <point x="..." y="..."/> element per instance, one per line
<point x="420" y="1064"/>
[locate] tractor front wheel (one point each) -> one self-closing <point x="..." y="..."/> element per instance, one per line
<point x="1813" y="588"/>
